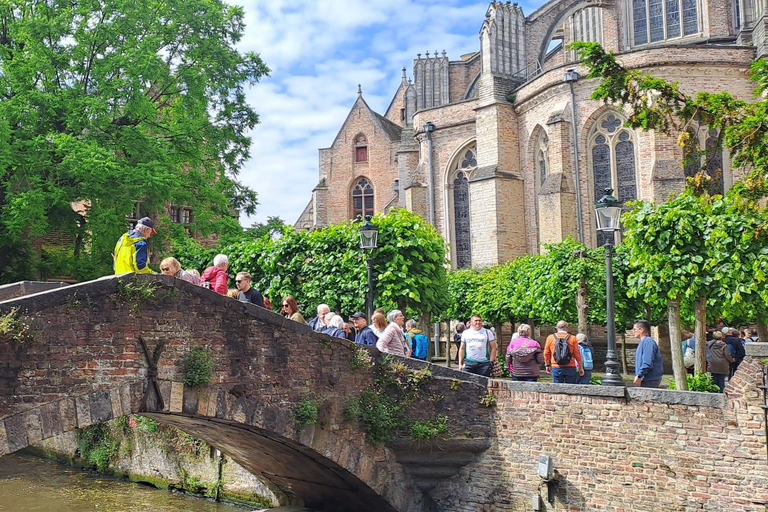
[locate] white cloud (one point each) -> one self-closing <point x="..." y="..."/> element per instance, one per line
<point x="318" y="52"/>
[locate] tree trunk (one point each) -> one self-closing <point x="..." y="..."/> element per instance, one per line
<point x="582" y="307"/>
<point x="624" y="352"/>
<point x="678" y="369"/>
<point x="700" y="333"/>
<point x="762" y="329"/>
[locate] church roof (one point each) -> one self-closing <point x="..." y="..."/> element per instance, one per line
<point x="391" y="129"/>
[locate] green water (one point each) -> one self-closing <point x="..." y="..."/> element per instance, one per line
<point x="29" y="483"/>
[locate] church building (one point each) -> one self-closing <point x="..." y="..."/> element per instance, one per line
<point x="503" y="150"/>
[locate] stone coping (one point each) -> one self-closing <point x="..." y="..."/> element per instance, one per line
<point x="758" y="350"/>
<point x="664" y="396"/>
<point x="22" y="288"/>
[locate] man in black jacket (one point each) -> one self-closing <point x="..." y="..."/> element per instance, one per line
<point x="247" y="294"/>
<point x="735" y="346"/>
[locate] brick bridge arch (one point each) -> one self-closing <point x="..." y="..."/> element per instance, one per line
<point x="91" y="358"/>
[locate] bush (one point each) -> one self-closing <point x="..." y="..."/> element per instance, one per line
<point x="197" y="367"/>
<point x="431" y="429"/>
<point x="699" y="382"/>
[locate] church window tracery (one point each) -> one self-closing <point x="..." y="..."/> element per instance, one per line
<point x="465" y="164"/>
<point x="362" y="198"/>
<point x="613" y="163"/>
<point x="657" y="20"/>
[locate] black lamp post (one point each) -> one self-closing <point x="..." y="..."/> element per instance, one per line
<point x="369" y="235"/>
<point x="608" y="215"/>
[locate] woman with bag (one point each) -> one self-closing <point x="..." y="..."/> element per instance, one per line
<point x="524" y="356"/>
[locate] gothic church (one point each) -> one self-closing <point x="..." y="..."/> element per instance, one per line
<point x="503" y="149"/>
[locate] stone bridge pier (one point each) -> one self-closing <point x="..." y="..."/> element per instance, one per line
<point x="84" y="354"/>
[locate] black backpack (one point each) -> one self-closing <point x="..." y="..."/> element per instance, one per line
<point x="562" y="353"/>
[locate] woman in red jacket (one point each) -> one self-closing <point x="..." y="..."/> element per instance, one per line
<point x="215" y="277"/>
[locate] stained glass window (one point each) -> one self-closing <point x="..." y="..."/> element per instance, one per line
<point x="362" y="198"/>
<point x="541" y="163"/>
<point x="613" y="163"/>
<point x="714" y="157"/>
<point x="657" y="20"/>
<point x="461" y="220"/>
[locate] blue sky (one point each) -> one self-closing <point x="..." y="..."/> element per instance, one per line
<point x="319" y="50"/>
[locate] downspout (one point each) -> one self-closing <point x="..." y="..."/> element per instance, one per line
<point x="428" y="129"/>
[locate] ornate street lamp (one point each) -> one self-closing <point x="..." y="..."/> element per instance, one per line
<point x="608" y="215"/>
<point x="369" y="237"/>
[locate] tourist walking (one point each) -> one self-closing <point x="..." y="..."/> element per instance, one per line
<point x="364" y="335"/>
<point x="392" y="340"/>
<point x="562" y="356"/>
<point x="649" y="368"/>
<point x="417" y="340"/>
<point x="457" y="338"/>
<point x="737" y="349"/>
<point x="719" y="360"/>
<point x="524" y="356"/>
<point x="335" y="326"/>
<point x="378" y="323"/>
<point x="478" y="348"/>
<point x="215" y="277"/>
<point x="131" y="251"/>
<point x="290" y="309"/>
<point x="587" y="357"/>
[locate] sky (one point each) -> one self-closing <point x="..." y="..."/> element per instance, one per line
<point x="319" y="51"/>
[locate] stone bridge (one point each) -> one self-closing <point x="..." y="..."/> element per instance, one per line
<point x="88" y="353"/>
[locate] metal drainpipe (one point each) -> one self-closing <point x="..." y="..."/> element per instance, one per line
<point x="428" y="129"/>
<point x="572" y="76"/>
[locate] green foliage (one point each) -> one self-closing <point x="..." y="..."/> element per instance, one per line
<point x="145" y="424"/>
<point x="101" y="116"/>
<point x="431" y="429"/>
<point x="197" y="367"/>
<point x="305" y="412"/>
<point x="488" y="400"/>
<point x="16" y="328"/>
<point x="98" y="446"/>
<point x="361" y="358"/>
<point x="327" y="266"/>
<point x="594" y="380"/>
<point x="699" y="382"/>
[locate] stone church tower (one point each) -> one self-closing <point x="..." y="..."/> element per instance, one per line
<point x="519" y="151"/>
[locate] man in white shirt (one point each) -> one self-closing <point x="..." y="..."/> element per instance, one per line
<point x="478" y="348"/>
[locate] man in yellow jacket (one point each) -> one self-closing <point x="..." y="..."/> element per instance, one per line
<point x="131" y="252"/>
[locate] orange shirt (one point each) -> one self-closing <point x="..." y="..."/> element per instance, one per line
<point x="573" y="345"/>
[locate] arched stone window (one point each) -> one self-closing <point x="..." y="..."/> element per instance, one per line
<point x="466" y="163"/>
<point x="657" y="20"/>
<point x="361" y="148"/>
<point x="362" y="198"/>
<point x="612" y="161"/>
<point x="587" y="25"/>
<point x="541" y="159"/>
<point x="704" y="151"/>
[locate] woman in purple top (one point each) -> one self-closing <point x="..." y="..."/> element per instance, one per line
<point x="524" y="356"/>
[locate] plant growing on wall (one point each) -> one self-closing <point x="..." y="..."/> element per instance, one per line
<point x="15" y="328"/>
<point x="197" y="367"/>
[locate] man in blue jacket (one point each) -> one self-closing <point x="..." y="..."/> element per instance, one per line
<point x="649" y="368"/>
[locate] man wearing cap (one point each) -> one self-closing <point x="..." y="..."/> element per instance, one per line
<point x="365" y="335"/>
<point x="131" y="251"/>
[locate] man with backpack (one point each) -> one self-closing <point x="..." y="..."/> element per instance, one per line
<point x="587" y="357"/>
<point x="562" y="356"/>
<point x="417" y="340"/>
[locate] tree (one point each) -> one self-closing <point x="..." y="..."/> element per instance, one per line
<point x="109" y="102"/>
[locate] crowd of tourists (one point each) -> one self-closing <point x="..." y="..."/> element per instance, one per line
<point x="568" y="358"/>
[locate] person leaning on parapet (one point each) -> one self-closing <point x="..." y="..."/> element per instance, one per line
<point x="649" y="368"/>
<point x="364" y="335"/>
<point x="318" y="322"/>
<point x="131" y="251"/>
<point x="290" y="309"/>
<point x="392" y="340"/>
<point x="566" y="365"/>
<point x="172" y="267"/>
<point x="246" y="292"/>
<point x="216" y="276"/>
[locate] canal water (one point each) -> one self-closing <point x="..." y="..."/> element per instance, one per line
<point x="30" y="484"/>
